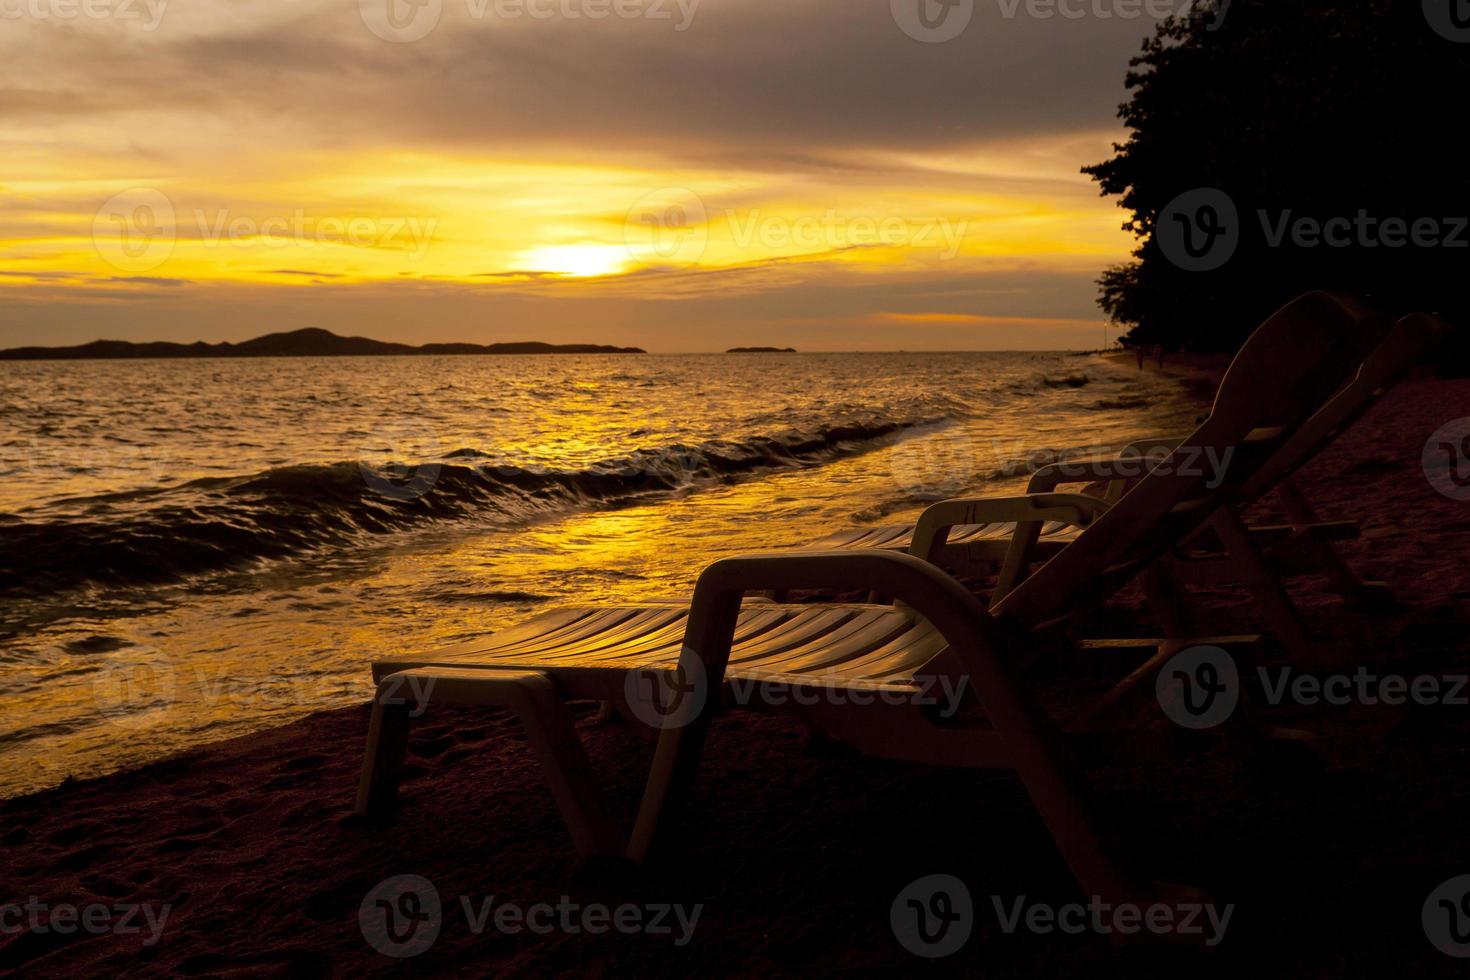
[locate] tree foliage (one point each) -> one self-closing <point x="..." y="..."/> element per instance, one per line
<point x="1303" y="109"/>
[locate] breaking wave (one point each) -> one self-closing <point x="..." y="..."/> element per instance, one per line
<point x="167" y="534"/>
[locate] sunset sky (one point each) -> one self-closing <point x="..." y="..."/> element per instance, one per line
<point x="679" y="176"/>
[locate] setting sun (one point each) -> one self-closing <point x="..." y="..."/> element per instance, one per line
<point x="581" y="259"/>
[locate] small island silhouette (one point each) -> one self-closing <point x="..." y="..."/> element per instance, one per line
<point x="307" y="342"/>
<point x="761" y="350"/>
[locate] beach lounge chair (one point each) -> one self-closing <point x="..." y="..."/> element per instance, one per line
<point x="1260" y="556"/>
<point x="865" y="674"/>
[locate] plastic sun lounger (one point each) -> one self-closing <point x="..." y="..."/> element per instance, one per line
<point x="1258" y="556"/>
<point x="686" y="663"/>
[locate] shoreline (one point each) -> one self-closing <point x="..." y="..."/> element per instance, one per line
<point x="1200" y="374"/>
<point x="468" y="563"/>
<point x="252" y="842"/>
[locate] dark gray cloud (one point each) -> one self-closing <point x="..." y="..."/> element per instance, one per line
<point x="761" y="82"/>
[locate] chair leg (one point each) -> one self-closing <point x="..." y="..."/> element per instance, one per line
<point x="1276" y="607"/>
<point x="670" y="784"/>
<point x="382" y="762"/>
<point x="1168" y="599"/>
<point x="568" y="771"/>
<point x="549" y="730"/>
<point x="1344" y="581"/>
<point x="708" y="637"/>
<point x="1053" y="780"/>
<point x="1137" y="688"/>
<point x="1062" y="800"/>
<point x="1017" y="563"/>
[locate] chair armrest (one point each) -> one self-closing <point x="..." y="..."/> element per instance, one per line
<point x="1145" y="447"/>
<point x="960" y="617"/>
<point x="1077" y="509"/>
<point x="1029" y="511"/>
<point x="1124" y="466"/>
<point x="1090" y="469"/>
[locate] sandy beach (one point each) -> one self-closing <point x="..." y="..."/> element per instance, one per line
<point x="795" y="848"/>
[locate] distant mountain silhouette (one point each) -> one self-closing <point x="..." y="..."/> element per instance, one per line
<point x="308" y="342"/>
<point x="761" y="350"/>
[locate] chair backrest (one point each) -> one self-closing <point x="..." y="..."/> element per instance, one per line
<point x="1286" y="371"/>
<point x="1410" y="341"/>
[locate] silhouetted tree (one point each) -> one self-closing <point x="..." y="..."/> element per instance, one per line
<point x="1307" y="109"/>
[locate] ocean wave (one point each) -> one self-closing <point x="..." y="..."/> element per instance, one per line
<point x="1076" y="379"/>
<point x="1121" y="403"/>
<point x="164" y="534"/>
